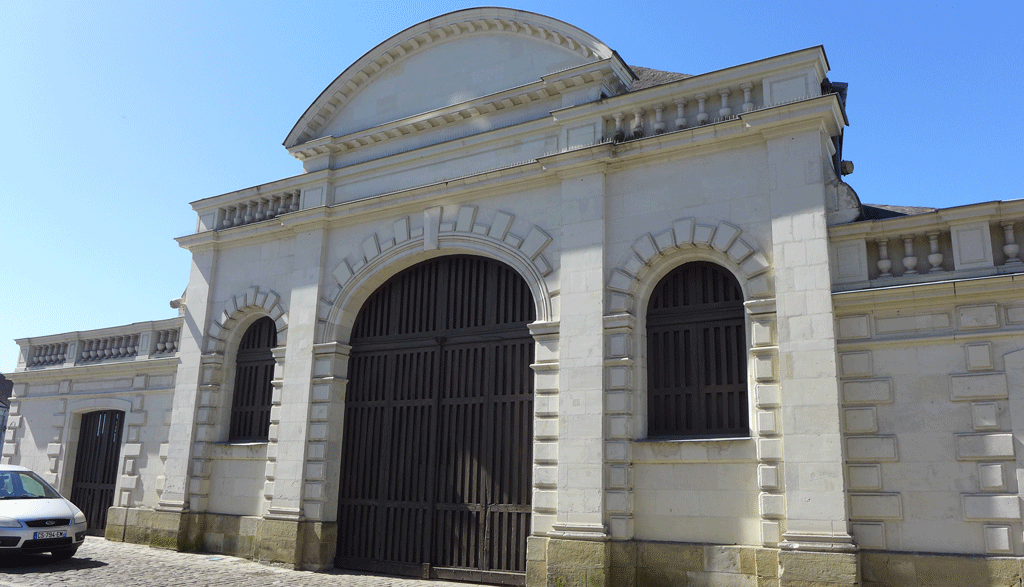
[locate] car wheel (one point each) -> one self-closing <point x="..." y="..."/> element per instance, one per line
<point x="64" y="553"/>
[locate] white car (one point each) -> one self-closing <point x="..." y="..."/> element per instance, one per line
<point x="35" y="518"/>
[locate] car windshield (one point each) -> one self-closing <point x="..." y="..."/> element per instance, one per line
<point x="25" y="485"/>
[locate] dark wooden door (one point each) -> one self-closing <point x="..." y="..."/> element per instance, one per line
<point x="696" y="355"/>
<point x="437" y="448"/>
<point x="99" y="446"/>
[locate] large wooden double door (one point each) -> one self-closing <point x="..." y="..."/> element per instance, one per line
<point x="437" y="448"/>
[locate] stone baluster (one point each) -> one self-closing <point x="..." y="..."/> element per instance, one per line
<point x="161" y="341"/>
<point x="107" y="351"/>
<point x="620" y="134"/>
<point x="248" y="213"/>
<point x="934" y="257"/>
<point x="86" y="345"/>
<point x="135" y="345"/>
<point x="1011" y="249"/>
<point x="884" y="264"/>
<point x="239" y="216"/>
<point x="283" y="204"/>
<point x="226" y="222"/>
<point x="702" y="117"/>
<point x="124" y="345"/>
<point x="638" y="123"/>
<point x="659" y="125"/>
<point x="680" y="118"/>
<point x="909" y="260"/>
<point x="724" y="111"/>
<point x="748" y="103"/>
<point x="294" y="207"/>
<point x="172" y="341"/>
<point x="260" y="214"/>
<point x="271" y="207"/>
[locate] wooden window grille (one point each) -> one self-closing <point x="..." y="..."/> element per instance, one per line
<point x="696" y="355"/>
<point x="254" y="372"/>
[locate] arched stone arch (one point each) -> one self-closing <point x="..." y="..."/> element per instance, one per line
<point x="382" y="255"/>
<point x="433" y="32"/>
<point x="650" y="258"/>
<point x="654" y="254"/>
<point x="241" y="306"/>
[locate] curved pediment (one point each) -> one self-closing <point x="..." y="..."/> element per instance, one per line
<point x="443" y="61"/>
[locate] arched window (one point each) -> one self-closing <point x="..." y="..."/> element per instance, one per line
<point x="696" y="355"/>
<point x="254" y="371"/>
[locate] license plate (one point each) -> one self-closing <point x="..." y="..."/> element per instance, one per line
<point x="51" y="534"/>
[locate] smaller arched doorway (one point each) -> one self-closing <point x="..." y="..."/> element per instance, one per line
<point x="436" y="471"/>
<point x="96" y="462"/>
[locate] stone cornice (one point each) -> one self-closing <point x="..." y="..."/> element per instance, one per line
<point x="974" y="290"/>
<point x="419" y="37"/>
<point x="98" y="370"/>
<point x="987" y="211"/>
<point x="548" y="86"/>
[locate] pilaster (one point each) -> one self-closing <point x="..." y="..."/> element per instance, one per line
<point x="580" y="510"/>
<point x="816" y="517"/>
<point x="188" y="382"/>
<point x="290" y="439"/>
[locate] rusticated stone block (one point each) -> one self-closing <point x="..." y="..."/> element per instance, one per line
<point x="280" y="542"/>
<point x="766" y="563"/>
<point x="821" y="569"/>
<point x="686" y="557"/>
<point x="320" y="541"/>
<point x="577" y="563"/>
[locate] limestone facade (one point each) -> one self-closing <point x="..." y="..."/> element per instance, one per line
<point x="884" y="358"/>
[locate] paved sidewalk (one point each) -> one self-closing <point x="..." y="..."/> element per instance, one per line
<point x="100" y="563"/>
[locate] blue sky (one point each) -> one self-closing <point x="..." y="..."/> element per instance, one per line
<point x="115" y="115"/>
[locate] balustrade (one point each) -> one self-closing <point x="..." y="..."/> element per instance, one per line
<point x="931" y="250"/>
<point x="258" y="209"/>
<point x="84" y="350"/>
<point x="48" y="354"/>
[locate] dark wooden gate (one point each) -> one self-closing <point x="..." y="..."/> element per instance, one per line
<point x="99" y="444"/>
<point x="696" y="355"/>
<point x="437" y="449"/>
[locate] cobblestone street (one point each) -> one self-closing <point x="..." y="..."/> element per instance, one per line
<point x="101" y="563"/>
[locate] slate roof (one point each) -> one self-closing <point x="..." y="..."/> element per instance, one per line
<point x="880" y="211"/>
<point x="653" y="77"/>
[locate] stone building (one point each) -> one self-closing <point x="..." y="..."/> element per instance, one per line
<point x="531" y="314"/>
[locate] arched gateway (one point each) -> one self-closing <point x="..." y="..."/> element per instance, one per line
<point x="437" y="448"/>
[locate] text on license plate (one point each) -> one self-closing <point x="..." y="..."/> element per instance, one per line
<point x="51" y="534"/>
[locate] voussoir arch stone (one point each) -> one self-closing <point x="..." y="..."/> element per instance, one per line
<point x="254" y="299"/>
<point x="416" y="238"/>
<point x="689" y="239"/>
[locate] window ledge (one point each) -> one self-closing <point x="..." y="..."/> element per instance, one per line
<point x="237" y="450"/>
<point x="695" y="450"/>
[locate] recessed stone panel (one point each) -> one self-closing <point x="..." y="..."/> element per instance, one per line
<point x="971" y="447"/>
<point x="856" y="364"/>
<point x="991" y="507"/>
<point x="871" y="448"/>
<point x="869" y="534"/>
<point x="860" y="420"/>
<point x="979" y="356"/>
<point x="767" y="395"/>
<point x="979" y="386"/>
<point x="991" y="477"/>
<point x="986" y="316"/>
<point x="876" y="506"/>
<point x="854" y="327"/>
<point x="998" y="540"/>
<point x="985" y="415"/>
<point x="1015" y="315"/>
<point x="866" y="477"/>
<point x="867" y="391"/>
<point x="972" y="246"/>
<point x="768" y="476"/>
<point x="920" y="322"/>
